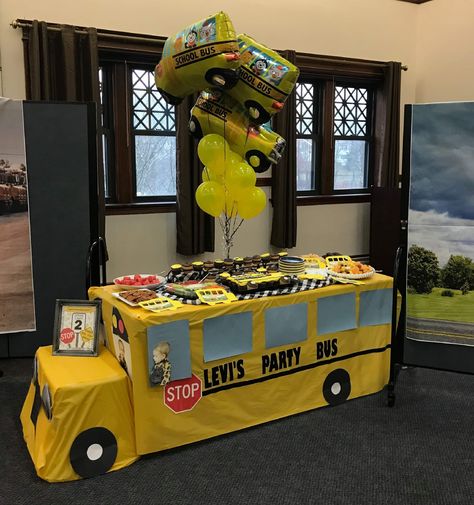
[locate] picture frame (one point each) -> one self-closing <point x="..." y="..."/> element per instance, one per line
<point x="76" y="328"/>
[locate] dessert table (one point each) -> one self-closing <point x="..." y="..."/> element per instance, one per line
<point x="230" y="366"/>
<point x="251" y="361"/>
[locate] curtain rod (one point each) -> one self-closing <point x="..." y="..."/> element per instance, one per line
<point x="24" y="23"/>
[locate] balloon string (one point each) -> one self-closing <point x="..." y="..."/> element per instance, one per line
<point x="227" y="229"/>
<point x="235" y="231"/>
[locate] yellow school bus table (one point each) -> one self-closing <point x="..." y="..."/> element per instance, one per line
<point x="77" y="417"/>
<point x="248" y="362"/>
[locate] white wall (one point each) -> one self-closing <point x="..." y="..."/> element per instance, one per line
<point x="444" y="52"/>
<point x="371" y="29"/>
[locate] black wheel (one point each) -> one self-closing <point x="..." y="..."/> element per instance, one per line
<point x="257" y="160"/>
<point x="337" y="387"/>
<point x="195" y="128"/>
<point x="222" y="78"/>
<point x="93" y="452"/>
<point x="118" y="326"/>
<point x="256" y="112"/>
<point x="172" y="100"/>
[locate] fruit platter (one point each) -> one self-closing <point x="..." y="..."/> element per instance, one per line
<point x="351" y="270"/>
<point x="133" y="281"/>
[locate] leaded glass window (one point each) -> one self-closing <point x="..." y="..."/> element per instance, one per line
<point x="307" y="129"/>
<point x="154" y="132"/>
<point x="351" y="137"/>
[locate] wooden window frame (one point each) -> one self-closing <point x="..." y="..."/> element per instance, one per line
<point x="315" y="136"/>
<point x="117" y="64"/>
<point x="324" y="165"/>
<point x="330" y="71"/>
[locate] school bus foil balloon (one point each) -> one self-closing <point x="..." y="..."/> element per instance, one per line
<point x="217" y="112"/>
<point x="204" y="54"/>
<point x="266" y="79"/>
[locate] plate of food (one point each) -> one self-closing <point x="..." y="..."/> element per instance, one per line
<point x="134" y="281"/>
<point x="133" y="297"/>
<point x="351" y="270"/>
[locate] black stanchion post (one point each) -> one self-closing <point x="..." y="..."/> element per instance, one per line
<point x="394" y="354"/>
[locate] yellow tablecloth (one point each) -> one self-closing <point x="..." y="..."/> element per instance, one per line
<point x="279" y="374"/>
<point x="78" y="408"/>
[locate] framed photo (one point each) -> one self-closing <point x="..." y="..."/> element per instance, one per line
<point x="76" y="328"/>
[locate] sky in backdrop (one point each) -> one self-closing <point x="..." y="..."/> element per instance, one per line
<point x="441" y="214"/>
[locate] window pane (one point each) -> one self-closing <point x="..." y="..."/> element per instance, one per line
<point x="304" y="109"/>
<point x="350" y="164"/>
<point x="150" y="111"/>
<point x="155" y="161"/>
<point x="350" y="111"/>
<point x="304" y="165"/>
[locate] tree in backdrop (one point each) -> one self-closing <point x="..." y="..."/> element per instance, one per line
<point x="459" y="270"/>
<point x="155" y="159"/>
<point x="423" y="269"/>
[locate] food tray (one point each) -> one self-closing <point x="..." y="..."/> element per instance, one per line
<point x="124" y="287"/>
<point x="365" y="275"/>
<point x="128" y="302"/>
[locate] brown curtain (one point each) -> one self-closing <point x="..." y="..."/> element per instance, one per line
<point x="387" y="128"/>
<point x="284" y="224"/>
<point x="194" y="228"/>
<point x="63" y="64"/>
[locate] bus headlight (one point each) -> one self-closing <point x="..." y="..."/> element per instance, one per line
<point x="46" y="402"/>
<point x="34" y="379"/>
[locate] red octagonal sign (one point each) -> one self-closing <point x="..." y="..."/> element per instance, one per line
<point x="182" y="395"/>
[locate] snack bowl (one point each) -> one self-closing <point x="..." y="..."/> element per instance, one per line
<point x="365" y="275"/>
<point x="136" y="281"/>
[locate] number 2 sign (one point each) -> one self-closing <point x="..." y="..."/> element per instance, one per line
<point x="76" y="327"/>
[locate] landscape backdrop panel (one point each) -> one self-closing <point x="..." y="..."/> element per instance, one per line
<point x="17" y="311"/>
<point x="440" y="304"/>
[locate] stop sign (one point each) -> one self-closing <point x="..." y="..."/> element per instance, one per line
<point x="182" y="395"/>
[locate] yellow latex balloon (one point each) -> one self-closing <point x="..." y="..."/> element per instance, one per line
<point x="252" y="202"/>
<point x="210" y="197"/>
<point x="240" y="177"/>
<point x="209" y="174"/>
<point x="232" y="158"/>
<point x="217" y="166"/>
<point x="213" y="150"/>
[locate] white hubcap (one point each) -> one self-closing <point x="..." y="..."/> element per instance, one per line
<point x="254" y="112"/>
<point x="336" y="388"/>
<point x="94" y="452"/>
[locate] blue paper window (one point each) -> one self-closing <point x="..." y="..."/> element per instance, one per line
<point x="227" y="336"/>
<point x="176" y="334"/>
<point x="286" y="325"/>
<point x="336" y="313"/>
<point x="375" y="307"/>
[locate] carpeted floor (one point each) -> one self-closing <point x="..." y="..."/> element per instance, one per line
<point x="419" y="452"/>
